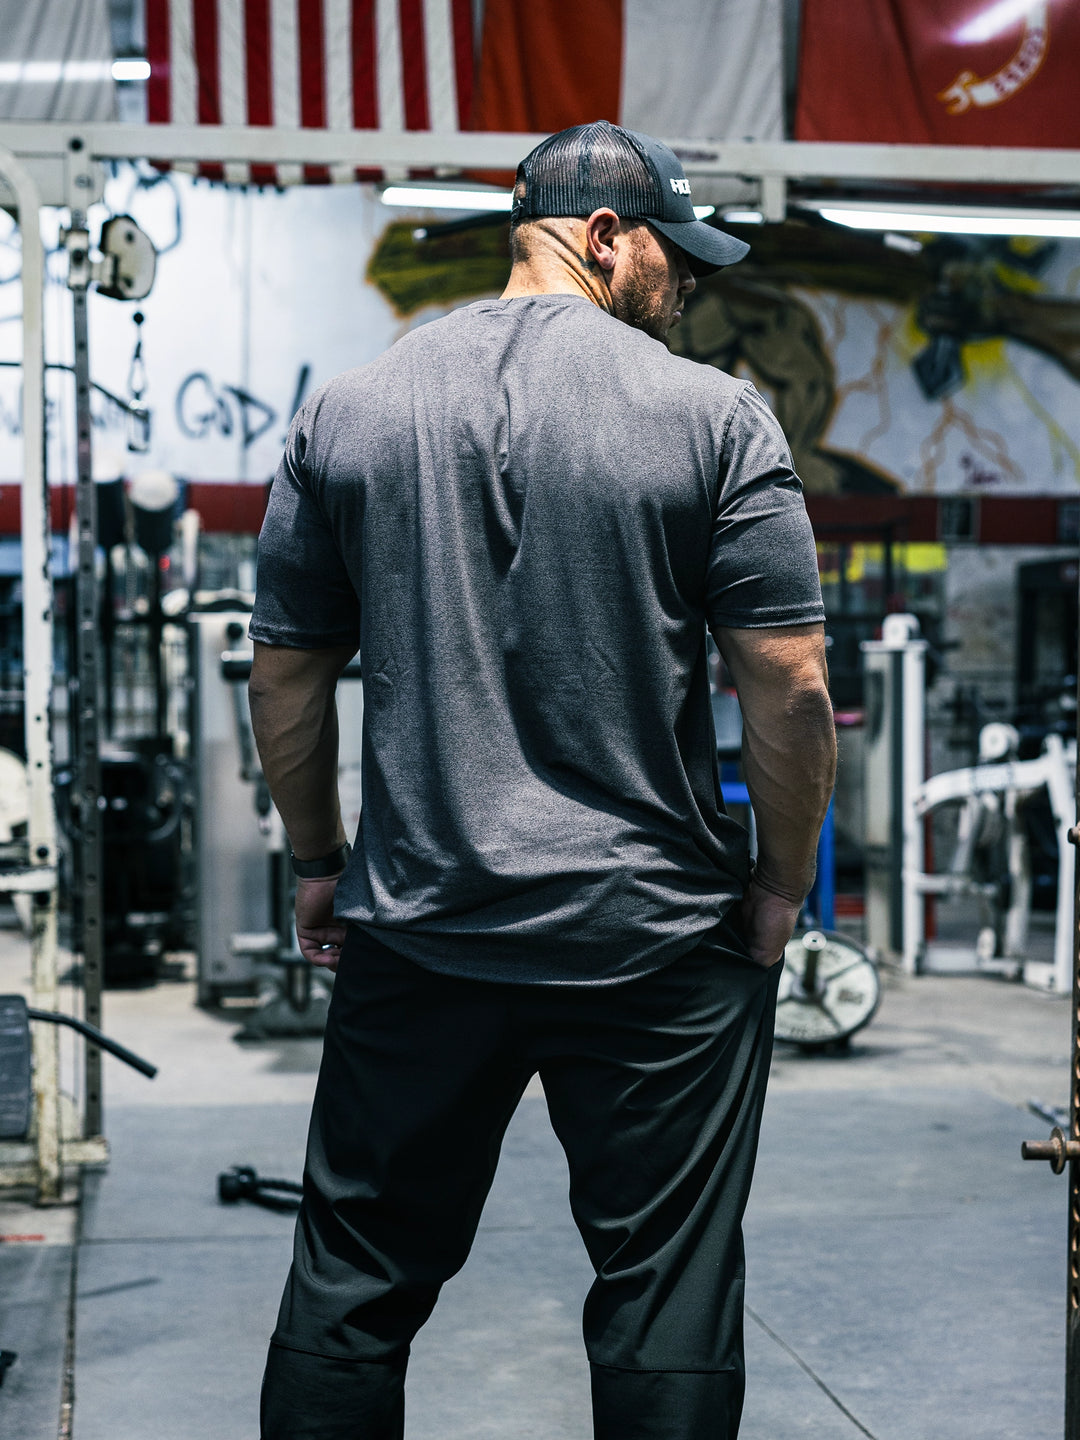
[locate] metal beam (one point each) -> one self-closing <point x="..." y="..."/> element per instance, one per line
<point x="790" y="159"/>
<point x="37" y="619"/>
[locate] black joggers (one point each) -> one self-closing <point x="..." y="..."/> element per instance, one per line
<point x="654" y="1087"/>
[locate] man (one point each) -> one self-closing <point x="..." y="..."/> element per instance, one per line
<point x="524" y="515"/>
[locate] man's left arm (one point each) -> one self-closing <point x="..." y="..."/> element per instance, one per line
<point x="294" y="719"/>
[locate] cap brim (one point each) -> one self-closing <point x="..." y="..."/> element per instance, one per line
<point x="706" y="248"/>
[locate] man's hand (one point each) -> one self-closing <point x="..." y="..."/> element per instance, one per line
<point x="768" y="921"/>
<point x="320" y="935"/>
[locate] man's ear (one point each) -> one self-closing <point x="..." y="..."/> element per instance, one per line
<point x="601" y="230"/>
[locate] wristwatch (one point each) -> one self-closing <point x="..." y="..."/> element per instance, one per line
<point x="325" y="868"/>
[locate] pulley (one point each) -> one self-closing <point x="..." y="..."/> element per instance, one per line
<point x="829" y="989"/>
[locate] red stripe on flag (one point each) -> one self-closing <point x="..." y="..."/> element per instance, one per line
<point x="158" y="91"/>
<point x="260" y="90"/>
<point x="413" y="64"/>
<point x="549" y="64"/>
<point x="365" y="102"/>
<point x="207" y="68"/>
<point x="365" y="95"/>
<point x="462" y="20"/>
<point x="309" y="24"/>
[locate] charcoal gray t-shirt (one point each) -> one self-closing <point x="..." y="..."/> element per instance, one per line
<point x="523" y="515"/>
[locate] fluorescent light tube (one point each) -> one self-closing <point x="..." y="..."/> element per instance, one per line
<point x="444" y="198"/>
<point x="953" y="220"/>
<point x="49" y="72"/>
<point x="131" y="69"/>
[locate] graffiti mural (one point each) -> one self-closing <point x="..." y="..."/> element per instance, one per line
<point x="949" y="368"/>
<point x="940" y="369"/>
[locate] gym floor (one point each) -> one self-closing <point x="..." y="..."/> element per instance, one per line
<point x="906" y="1271"/>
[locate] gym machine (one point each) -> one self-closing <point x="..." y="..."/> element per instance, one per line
<point x="991" y="860"/>
<point x="894" y="670"/>
<point x="992" y="855"/>
<point x="122" y="269"/>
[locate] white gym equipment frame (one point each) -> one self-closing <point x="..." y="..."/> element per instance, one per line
<point x="1009" y="780"/>
<point x="56" y="164"/>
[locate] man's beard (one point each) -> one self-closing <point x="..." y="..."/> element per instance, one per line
<point x="637" y="304"/>
<point x="640" y="304"/>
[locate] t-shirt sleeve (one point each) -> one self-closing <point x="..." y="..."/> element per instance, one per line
<point x="763" y="563"/>
<point x="304" y="597"/>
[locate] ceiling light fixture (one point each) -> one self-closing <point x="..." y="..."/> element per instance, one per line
<point x="948" y="219"/>
<point x="50" y="72"/>
<point x="131" y="68"/>
<point x="421" y="197"/>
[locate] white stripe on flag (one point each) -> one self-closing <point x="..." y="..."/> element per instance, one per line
<point x="183" y="83"/>
<point x="708" y="69"/>
<point x="439" y="45"/>
<point x="337" y="38"/>
<point x="390" y="79"/>
<point x="285" y="76"/>
<point x="232" y="72"/>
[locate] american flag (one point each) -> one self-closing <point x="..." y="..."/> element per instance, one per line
<point x="390" y="65"/>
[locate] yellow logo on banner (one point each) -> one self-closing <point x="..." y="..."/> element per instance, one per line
<point x="968" y="90"/>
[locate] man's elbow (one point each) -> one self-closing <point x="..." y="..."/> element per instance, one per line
<point x="810" y="716"/>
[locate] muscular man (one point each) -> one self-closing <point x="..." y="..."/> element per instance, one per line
<point x="524" y="516"/>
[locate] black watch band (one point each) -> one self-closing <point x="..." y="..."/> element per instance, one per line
<point x="325" y="868"/>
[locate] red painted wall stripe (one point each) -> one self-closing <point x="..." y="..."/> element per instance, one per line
<point x="309" y="21"/>
<point x="462" y="20"/>
<point x="413" y="64"/>
<point x="365" y="93"/>
<point x="158" y="89"/>
<point x="260" y="88"/>
<point x="845" y="516"/>
<point x="207" y="66"/>
<point x="237" y="507"/>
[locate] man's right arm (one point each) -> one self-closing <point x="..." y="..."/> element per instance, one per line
<point x="789" y="763"/>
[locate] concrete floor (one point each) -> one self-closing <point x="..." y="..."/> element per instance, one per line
<point x="906" y="1271"/>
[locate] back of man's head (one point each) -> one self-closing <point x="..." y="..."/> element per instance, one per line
<point x="598" y="166"/>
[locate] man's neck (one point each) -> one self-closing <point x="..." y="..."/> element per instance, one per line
<point x="561" y="267"/>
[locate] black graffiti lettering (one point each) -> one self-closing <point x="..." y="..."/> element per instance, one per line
<point x="200" y="409"/>
<point x="247" y="404"/>
<point x="11" y="419"/>
<point x="302" y="377"/>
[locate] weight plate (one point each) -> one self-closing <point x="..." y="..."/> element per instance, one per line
<point x="829" y="989"/>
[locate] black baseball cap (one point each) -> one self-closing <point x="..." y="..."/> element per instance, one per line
<point x="600" y="165"/>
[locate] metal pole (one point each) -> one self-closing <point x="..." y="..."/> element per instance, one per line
<point x="1072" y="1317"/>
<point x="1061" y="1151"/>
<point x="37" y="634"/>
<point x="87" y="786"/>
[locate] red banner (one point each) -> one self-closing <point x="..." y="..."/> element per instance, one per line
<point x="941" y="72"/>
<point x="686" y="69"/>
